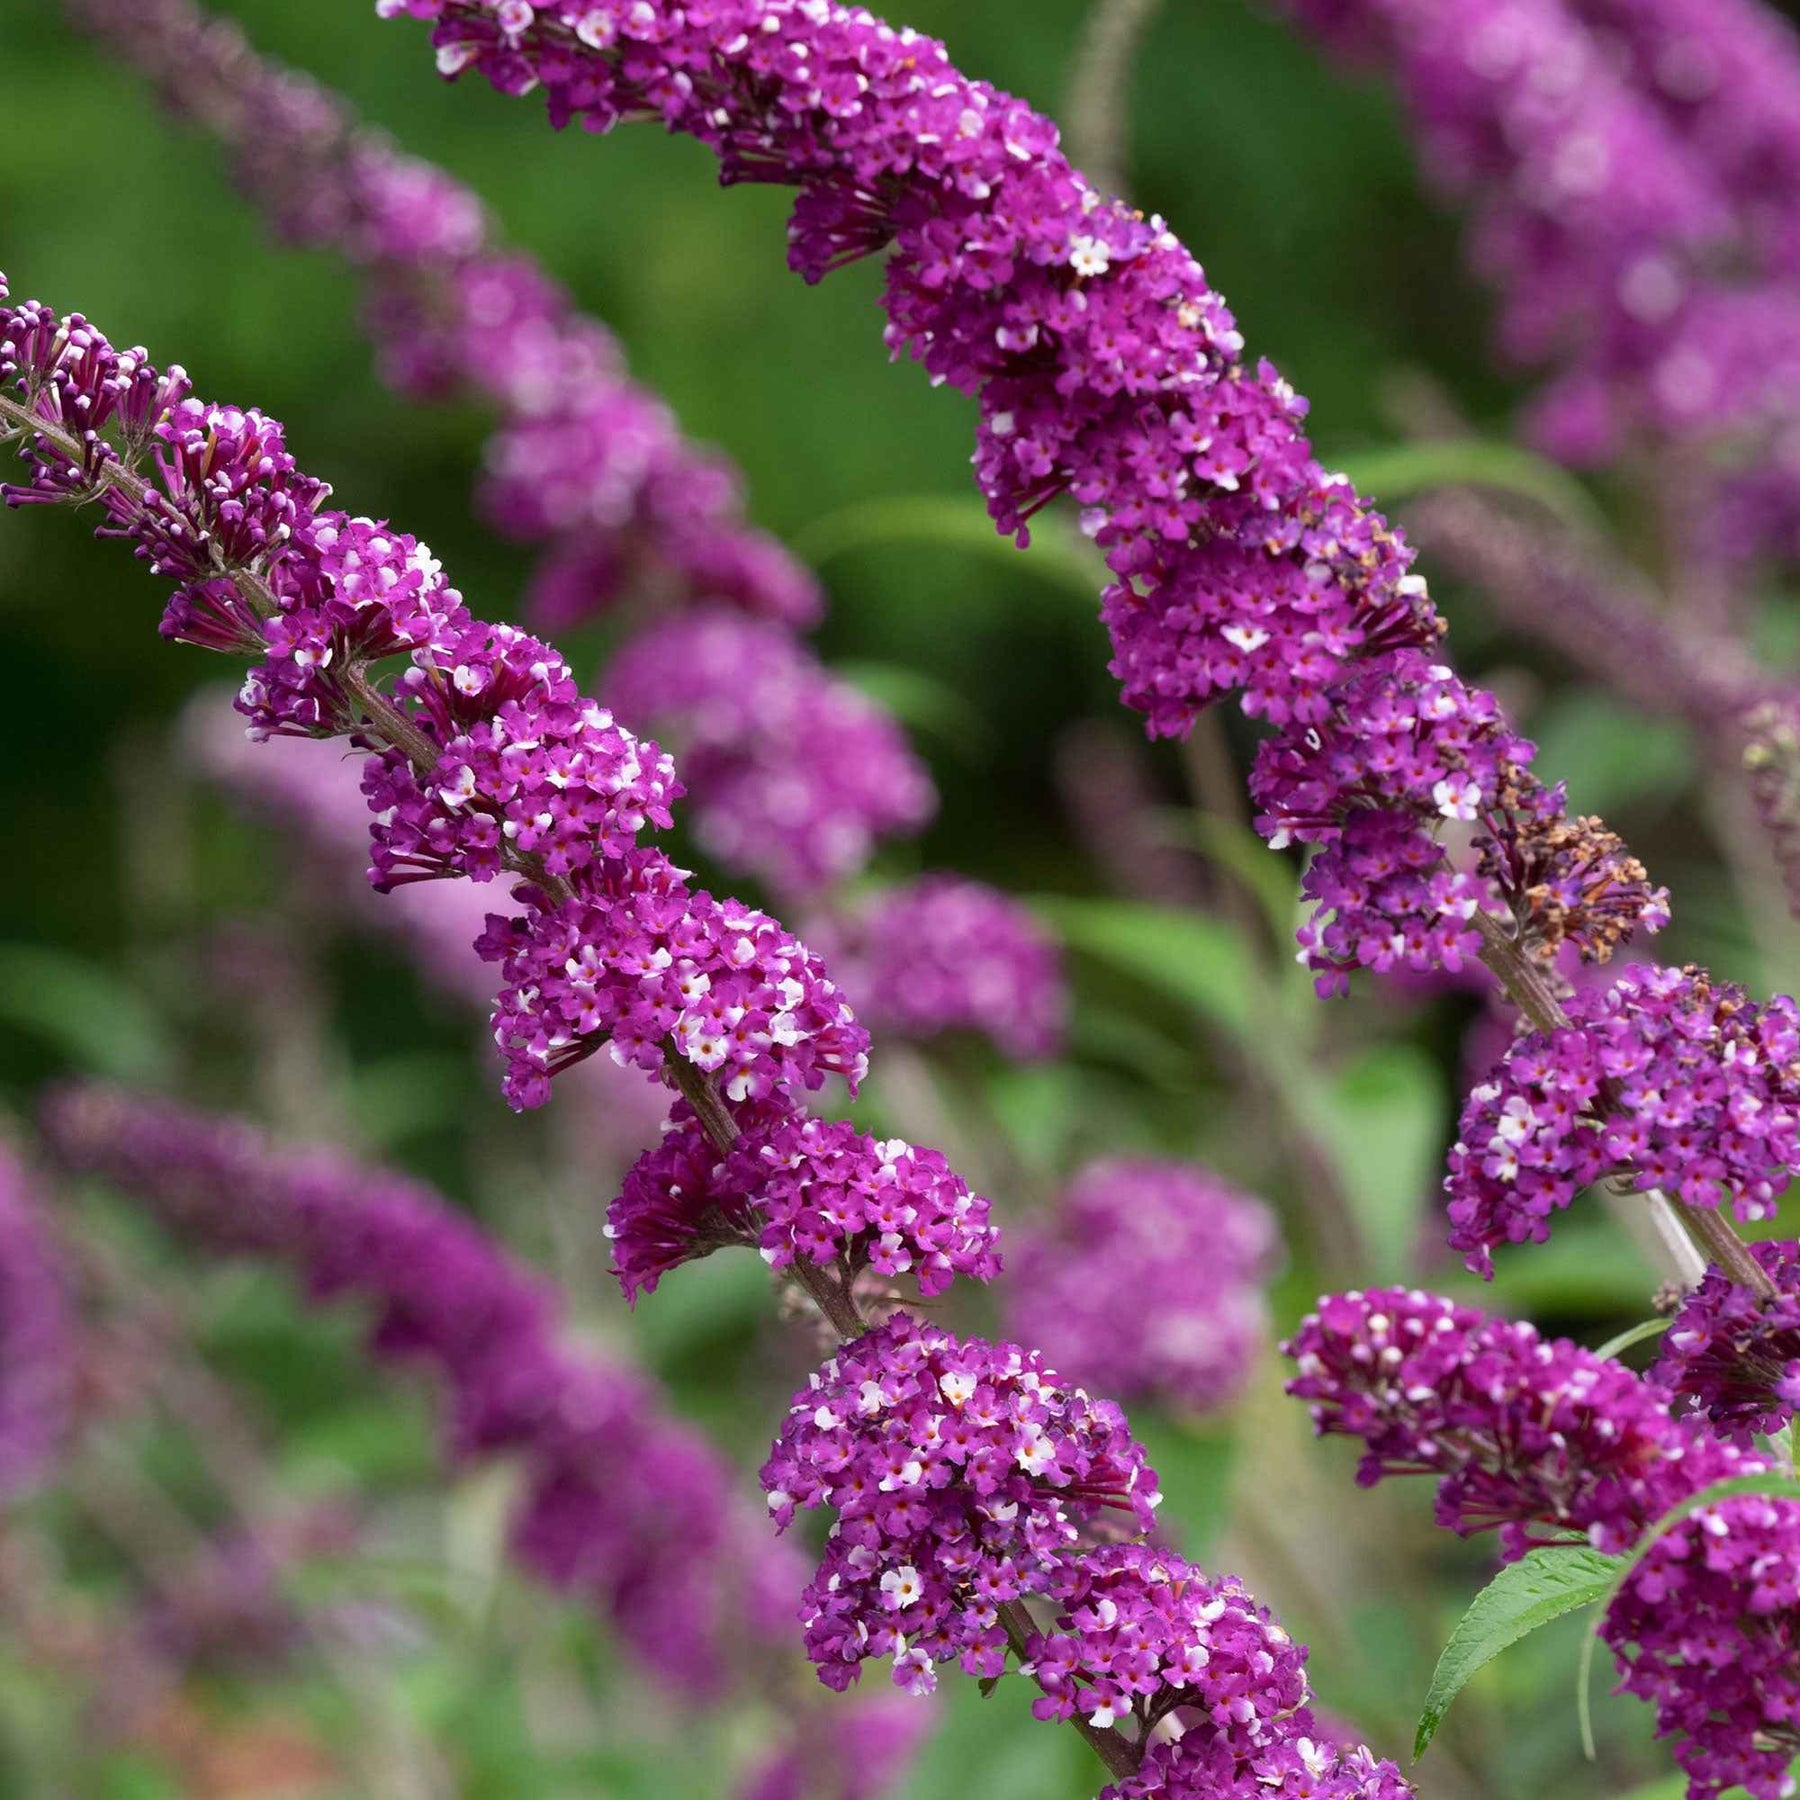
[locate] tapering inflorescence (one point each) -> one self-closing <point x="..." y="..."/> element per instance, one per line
<point x="1666" y="1079"/>
<point x="38" y="1336"/>
<point x="619" y="1503"/>
<point x="1556" y="1444"/>
<point x="1148" y="1281"/>
<point x="483" y="755"/>
<point x="966" y="1478"/>
<point x="965" y="1474"/>
<point x="1107" y="370"/>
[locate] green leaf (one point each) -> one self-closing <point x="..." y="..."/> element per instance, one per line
<point x="1784" y="1486"/>
<point x="924" y="704"/>
<point x="1524" y="1595"/>
<point x="1199" y="961"/>
<point x="1386" y="1117"/>
<point x="945" y="521"/>
<point x="1397" y="471"/>
<point x="1636" y="1335"/>
<point x="1612" y="754"/>
<point x="1195" y="1462"/>
<point x="1268" y="876"/>
<point x="88" y="1013"/>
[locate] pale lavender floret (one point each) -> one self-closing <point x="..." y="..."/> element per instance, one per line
<point x="943" y="953"/>
<point x="961" y="1473"/>
<point x="620" y="1504"/>
<point x="1148" y="1281"/>
<point x="1104" y="367"/>
<point x="38" y="1342"/>
<point x="795" y="775"/>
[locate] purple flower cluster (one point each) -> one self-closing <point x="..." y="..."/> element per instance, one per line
<point x="484" y="754"/>
<point x="1148" y="1283"/>
<point x="1201" y="1766"/>
<point x="37" y="1337"/>
<point x="1735" y="1355"/>
<point x="584" y="460"/>
<point x="635" y="957"/>
<point x="799" y="1188"/>
<point x="1667" y="1079"/>
<point x="1704" y="1631"/>
<point x="1215" y="1688"/>
<point x="1105" y="369"/>
<point x="854" y="1749"/>
<point x="960" y="1471"/>
<point x="620" y="1503"/>
<point x="1525" y="1431"/>
<point x="526" y="761"/>
<point x="795" y="774"/>
<point x="1139" y="1633"/>
<point x="946" y="954"/>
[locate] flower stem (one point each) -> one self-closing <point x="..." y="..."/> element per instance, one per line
<point x="1120" y="1756"/>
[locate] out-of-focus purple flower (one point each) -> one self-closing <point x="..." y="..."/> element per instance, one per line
<point x="797" y="1187"/>
<point x="1148" y="1283"/>
<point x="795" y="774"/>
<point x="947" y="954"/>
<point x="1666" y="1078"/>
<point x="960" y="1472"/>
<point x="313" y="786"/>
<point x="37" y="1336"/>
<point x="1526" y="1432"/>
<point x="851" y="1749"/>
<point x="1737" y="1356"/>
<point x="585" y="460"/>
<point x="620" y="1504"/>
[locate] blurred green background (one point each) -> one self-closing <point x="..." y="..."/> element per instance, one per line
<point x="1299" y="191"/>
